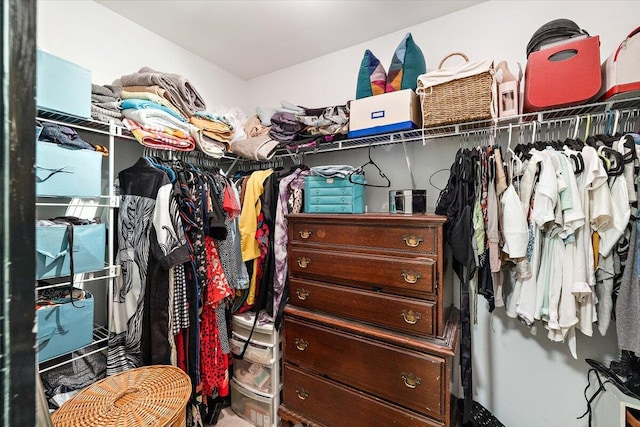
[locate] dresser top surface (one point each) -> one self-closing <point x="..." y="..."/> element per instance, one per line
<point x="370" y="217"/>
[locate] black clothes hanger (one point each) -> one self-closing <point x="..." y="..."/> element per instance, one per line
<point x="522" y="151"/>
<point x="616" y="160"/>
<point x="577" y="159"/>
<point x="629" y="143"/>
<point x="578" y="163"/>
<point x="361" y="169"/>
<point x="594" y="142"/>
<point x="574" y="144"/>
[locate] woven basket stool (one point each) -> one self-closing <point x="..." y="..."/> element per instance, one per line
<point x="148" y="396"/>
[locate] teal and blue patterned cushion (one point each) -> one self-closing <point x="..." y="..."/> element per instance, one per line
<point x="371" y="76"/>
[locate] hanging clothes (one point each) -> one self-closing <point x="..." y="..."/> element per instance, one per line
<point x="150" y="241"/>
<point x="287" y="187"/>
<point x="459" y="232"/>
<point x="628" y="304"/>
<point x="251" y="209"/>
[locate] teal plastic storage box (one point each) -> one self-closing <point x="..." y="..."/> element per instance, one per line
<point x="62" y="86"/>
<point x="63" y="328"/>
<point x="52" y="249"/>
<point x="334" y="195"/>
<point x="67" y="172"/>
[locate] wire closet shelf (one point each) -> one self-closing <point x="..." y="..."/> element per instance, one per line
<point x="563" y="116"/>
<point x="556" y="117"/>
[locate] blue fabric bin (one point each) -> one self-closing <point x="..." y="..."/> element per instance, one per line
<point x="334" y="195"/>
<point x="67" y="172"/>
<point x="63" y="328"/>
<point x="52" y="249"/>
<point x="62" y="86"/>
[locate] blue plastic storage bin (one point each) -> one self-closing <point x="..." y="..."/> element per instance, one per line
<point x="67" y="172"/>
<point x="62" y="86"/>
<point x="52" y="249"/>
<point x="63" y="328"/>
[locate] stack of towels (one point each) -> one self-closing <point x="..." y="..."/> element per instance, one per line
<point x="164" y="111"/>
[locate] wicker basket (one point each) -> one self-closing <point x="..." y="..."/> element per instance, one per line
<point x="147" y="396"/>
<point x="632" y="420"/>
<point x="460" y="97"/>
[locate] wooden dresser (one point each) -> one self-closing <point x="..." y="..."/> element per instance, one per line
<point x="368" y="336"/>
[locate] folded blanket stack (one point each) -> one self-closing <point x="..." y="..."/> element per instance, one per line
<point x="149" y="94"/>
<point x="105" y="103"/>
<point x="175" y="88"/>
<point x="165" y="111"/>
<point x="217" y="132"/>
<point x="156" y="128"/>
<point x="256" y="144"/>
<point x="284" y="127"/>
<point x="325" y="121"/>
<point x="292" y="127"/>
<point x="320" y="126"/>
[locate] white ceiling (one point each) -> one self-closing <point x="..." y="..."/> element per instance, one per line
<point x="253" y="38"/>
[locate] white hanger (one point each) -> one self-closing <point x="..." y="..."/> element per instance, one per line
<point x="614" y="131"/>
<point x="586" y="131"/>
<point x="577" y="128"/>
<point x="509" y="150"/>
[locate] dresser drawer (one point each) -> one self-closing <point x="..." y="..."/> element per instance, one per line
<point x="410" y="379"/>
<point x="399" y="313"/>
<point x="383" y="236"/>
<point x="402" y="275"/>
<point x="333" y="404"/>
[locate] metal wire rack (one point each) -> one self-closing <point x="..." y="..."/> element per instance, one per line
<point x="99" y="343"/>
<point x="83" y="123"/>
<point x="556" y="116"/>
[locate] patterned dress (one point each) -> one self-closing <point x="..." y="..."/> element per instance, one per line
<point x="148" y="226"/>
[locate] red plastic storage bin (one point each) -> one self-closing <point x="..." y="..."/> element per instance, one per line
<point x="562" y="76"/>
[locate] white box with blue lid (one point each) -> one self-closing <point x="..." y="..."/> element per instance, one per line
<point x="384" y="113"/>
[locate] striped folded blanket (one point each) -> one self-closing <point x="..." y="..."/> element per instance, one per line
<point x="161" y="138"/>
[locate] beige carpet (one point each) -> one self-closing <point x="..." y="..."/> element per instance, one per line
<point x="228" y="418"/>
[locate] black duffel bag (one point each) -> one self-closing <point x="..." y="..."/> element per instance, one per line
<point x="552" y="31"/>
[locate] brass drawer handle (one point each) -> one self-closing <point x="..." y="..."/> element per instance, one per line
<point x="413" y="241"/>
<point x="302" y="294"/>
<point x="302" y="393"/>
<point x="411" y="317"/>
<point x="410" y="276"/>
<point x="410" y="380"/>
<point x="301" y="344"/>
<point x="305" y="234"/>
<point x="303" y="262"/>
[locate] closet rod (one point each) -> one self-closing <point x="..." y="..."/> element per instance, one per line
<point x="195" y="157"/>
<point x="536" y="125"/>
